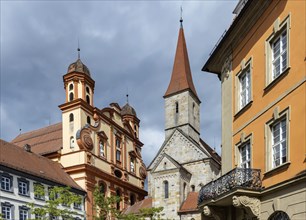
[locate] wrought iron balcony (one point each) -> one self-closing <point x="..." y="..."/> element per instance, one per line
<point x="245" y="178"/>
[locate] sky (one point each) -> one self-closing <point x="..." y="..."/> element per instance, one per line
<point x="128" y="46"/>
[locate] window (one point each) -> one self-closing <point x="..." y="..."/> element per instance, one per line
<point x="132" y="165"/>
<point x="102" y="187"/>
<point x="6" y="182"/>
<point x="7" y="211"/>
<point x="132" y="199"/>
<point x="101" y="148"/>
<point x="88" y="120"/>
<point x="244" y="88"/>
<point x="192" y="188"/>
<point x="77" y="205"/>
<point x="118" y="194"/>
<point x="279" y="55"/>
<point x="87" y="90"/>
<point x="176" y="107"/>
<point x="23" y="187"/>
<point x="70" y="87"/>
<point x="71" y="142"/>
<point x="166" y="189"/>
<point x="277" y="50"/>
<point x="279" y="215"/>
<point x="71" y="117"/>
<point x="38" y="216"/>
<point x="87" y="99"/>
<point x="71" y="96"/>
<point x="118" y="155"/>
<point x="279" y="143"/>
<point x="245" y="155"/>
<point x="277" y="139"/>
<point x="184" y="191"/>
<point x="39" y="191"/>
<point x="23" y="213"/>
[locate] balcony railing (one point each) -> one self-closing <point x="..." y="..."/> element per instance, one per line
<point x="245" y="178"/>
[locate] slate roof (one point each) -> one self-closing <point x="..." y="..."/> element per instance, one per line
<point x="17" y="158"/>
<point x="191" y="203"/>
<point x="181" y="78"/>
<point x="43" y="141"/>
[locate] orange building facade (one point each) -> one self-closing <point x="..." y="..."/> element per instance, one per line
<point x="260" y="62"/>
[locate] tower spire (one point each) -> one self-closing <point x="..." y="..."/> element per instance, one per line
<point x="181" y="78"/>
<point x="181" y="19"/>
<point x="79" y="55"/>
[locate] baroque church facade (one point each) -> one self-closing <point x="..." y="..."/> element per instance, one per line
<point x="96" y="147"/>
<point x="184" y="162"/>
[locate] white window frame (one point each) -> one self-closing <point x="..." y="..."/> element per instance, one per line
<point x="245" y="140"/>
<point x="245" y="160"/>
<point x="279" y="28"/>
<point x="23" y="187"/>
<point x="23" y="213"/>
<point x="244" y="94"/>
<point x="278" y="116"/>
<point x="6" y="182"/>
<point x="8" y="208"/>
<point x="279" y="146"/>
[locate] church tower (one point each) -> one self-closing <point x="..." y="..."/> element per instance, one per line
<point x="77" y="111"/>
<point x="182" y="105"/>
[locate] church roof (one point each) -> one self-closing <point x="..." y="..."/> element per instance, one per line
<point x="79" y="67"/>
<point x="145" y="203"/>
<point x="181" y="78"/>
<point x="43" y="141"/>
<point x="191" y="203"/>
<point x="128" y="110"/>
<point x="33" y="164"/>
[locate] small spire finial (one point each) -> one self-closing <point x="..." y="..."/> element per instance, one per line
<point x="181" y="19"/>
<point x="79" y="49"/>
<point x="127" y="98"/>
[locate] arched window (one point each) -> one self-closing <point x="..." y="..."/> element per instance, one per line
<point x="87" y="90"/>
<point x="279" y="215"/>
<point x="88" y="120"/>
<point x="192" y="188"/>
<point x="176" y="107"/>
<point x="71" y="117"/>
<point x="132" y="199"/>
<point x="118" y="194"/>
<point x="71" y="96"/>
<point x="71" y="142"/>
<point x="166" y="189"/>
<point x="70" y="87"/>
<point x="87" y="99"/>
<point x="102" y="188"/>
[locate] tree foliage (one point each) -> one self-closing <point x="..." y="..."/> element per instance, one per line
<point x="58" y="204"/>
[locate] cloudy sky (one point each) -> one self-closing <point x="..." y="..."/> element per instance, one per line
<point x="127" y="45"/>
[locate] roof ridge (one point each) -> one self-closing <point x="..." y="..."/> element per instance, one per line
<point x="33" y="131"/>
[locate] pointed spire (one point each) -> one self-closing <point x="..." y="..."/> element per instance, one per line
<point x="181" y="78"/>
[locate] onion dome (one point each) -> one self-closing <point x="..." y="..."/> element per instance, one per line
<point x="79" y="67"/>
<point x="128" y="110"/>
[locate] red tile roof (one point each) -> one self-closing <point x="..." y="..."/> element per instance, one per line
<point x="43" y="141"/>
<point x="146" y="203"/>
<point x="181" y="78"/>
<point x="19" y="159"/>
<point x="211" y="151"/>
<point x="191" y="203"/>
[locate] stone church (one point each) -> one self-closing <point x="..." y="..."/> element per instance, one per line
<point x="184" y="162"/>
<point x="95" y="146"/>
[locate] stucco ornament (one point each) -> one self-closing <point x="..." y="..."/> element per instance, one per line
<point x="249" y="204"/>
<point x="215" y="213"/>
<point x="84" y="139"/>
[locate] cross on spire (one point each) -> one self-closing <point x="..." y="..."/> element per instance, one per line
<point x="181" y="19"/>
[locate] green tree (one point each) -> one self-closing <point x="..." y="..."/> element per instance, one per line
<point x="57" y="196"/>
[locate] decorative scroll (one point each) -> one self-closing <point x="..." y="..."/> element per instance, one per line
<point x="84" y="139"/>
<point x="245" y="178"/>
<point x="249" y="204"/>
<point x="142" y="172"/>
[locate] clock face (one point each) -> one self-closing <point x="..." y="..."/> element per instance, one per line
<point x="142" y="172"/>
<point x="85" y="140"/>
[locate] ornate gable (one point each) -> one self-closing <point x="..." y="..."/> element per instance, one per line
<point x="180" y="147"/>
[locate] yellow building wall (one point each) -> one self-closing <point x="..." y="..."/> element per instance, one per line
<point x="253" y="120"/>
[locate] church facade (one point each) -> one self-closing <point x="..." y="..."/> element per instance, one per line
<point x="184" y="162"/>
<point x="96" y="147"/>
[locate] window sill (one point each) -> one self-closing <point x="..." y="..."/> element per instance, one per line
<point x="8" y="191"/>
<point x="241" y="111"/>
<point x="276" y="80"/>
<point x="277" y="170"/>
<point x="25" y="195"/>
